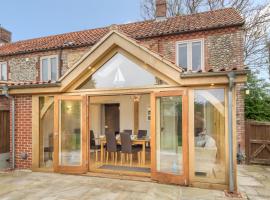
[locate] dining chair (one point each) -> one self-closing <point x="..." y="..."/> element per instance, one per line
<point x="127" y="148"/>
<point x="93" y="144"/>
<point x="112" y="147"/>
<point x="128" y="131"/>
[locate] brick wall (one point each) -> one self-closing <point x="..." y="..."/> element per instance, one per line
<point x="26" y="67"/>
<point x="223" y="48"/>
<point x="240" y="116"/>
<point x="4" y="103"/>
<point x="23" y="131"/>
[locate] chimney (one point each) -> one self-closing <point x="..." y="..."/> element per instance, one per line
<point x="5" y="36"/>
<point x="161" y="9"/>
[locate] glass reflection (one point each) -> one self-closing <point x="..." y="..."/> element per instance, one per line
<point x="70" y="136"/>
<point x="169" y="135"/>
<point x="119" y="72"/>
<point x="209" y="133"/>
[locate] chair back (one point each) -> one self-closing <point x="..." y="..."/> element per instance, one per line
<point x="126" y="143"/>
<point x="142" y="133"/>
<point x="92" y="139"/>
<point x="128" y="131"/>
<point x="111" y="142"/>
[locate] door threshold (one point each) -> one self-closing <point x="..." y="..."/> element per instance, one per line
<point x="119" y="176"/>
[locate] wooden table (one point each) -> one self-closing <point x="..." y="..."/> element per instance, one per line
<point x="142" y="142"/>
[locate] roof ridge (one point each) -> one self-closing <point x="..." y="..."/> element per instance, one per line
<point x="130" y="23"/>
<point x="206" y="20"/>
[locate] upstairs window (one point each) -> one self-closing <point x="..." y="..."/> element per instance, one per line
<point x="49" y="68"/>
<point x="190" y="55"/>
<point x="3" y="71"/>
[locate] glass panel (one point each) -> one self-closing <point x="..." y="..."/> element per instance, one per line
<point x="120" y="72"/>
<point x="209" y="133"/>
<point x="169" y="135"/>
<point x="4" y="71"/>
<point x="45" y="68"/>
<point x="54" y="69"/>
<point x="46" y="117"/>
<point x="70" y="132"/>
<point x="196" y="56"/>
<point x="183" y="55"/>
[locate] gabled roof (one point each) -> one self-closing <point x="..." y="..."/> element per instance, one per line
<point x="151" y="28"/>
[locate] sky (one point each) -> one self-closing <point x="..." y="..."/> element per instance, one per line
<point x="28" y="19"/>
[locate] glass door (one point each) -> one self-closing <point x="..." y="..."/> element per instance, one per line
<point x="70" y="134"/>
<point x="169" y="137"/>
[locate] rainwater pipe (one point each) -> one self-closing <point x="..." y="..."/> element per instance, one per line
<point x="231" y="76"/>
<point x="5" y="93"/>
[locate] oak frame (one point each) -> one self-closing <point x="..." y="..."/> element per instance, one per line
<point x="167" y="177"/>
<point x="84" y="159"/>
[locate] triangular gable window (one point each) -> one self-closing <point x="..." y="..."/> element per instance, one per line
<point x="120" y="72"/>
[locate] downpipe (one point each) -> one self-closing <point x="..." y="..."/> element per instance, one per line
<point x="5" y="93"/>
<point x="231" y="77"/>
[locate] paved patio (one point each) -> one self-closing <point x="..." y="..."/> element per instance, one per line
<point x="253" y="180"/>
<point x="50" y="186"/>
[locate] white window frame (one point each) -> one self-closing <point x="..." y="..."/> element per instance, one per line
<point x="49" y="67"/>
<point x="189" y="52"/>
<point x="1" y="63"/>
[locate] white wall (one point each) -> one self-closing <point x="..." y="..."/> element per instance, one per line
<point x="126" y="112"/>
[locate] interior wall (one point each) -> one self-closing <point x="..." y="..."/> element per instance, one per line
<point x="126" y="112"/>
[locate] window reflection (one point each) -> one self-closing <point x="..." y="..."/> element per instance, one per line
<point x="120" y="72"/>
<point x="46" y="116"/>
<point x="209" y="134"/>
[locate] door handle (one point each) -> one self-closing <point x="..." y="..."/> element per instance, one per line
<point x="106" y="126"/>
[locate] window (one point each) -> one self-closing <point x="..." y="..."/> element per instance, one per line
<point x="3" y="71"/>
<point x="209" y="134"/>
<point x="190" y="55"/>
<point x="46" y="117"/>
<point x="49" y="68"/>
<point x="120" y="72"/>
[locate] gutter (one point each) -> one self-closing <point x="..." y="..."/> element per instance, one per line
<point x="210" y="74"/>
<point x="231" y="77"/>
<point x="5" y="93"/>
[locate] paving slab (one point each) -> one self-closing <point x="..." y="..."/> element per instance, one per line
<point x="254" y="181"/>
<point x="20" y="185"/>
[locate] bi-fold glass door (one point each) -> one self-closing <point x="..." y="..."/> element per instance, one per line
<point x="169" y="137"/>
<point x="70" y="138"/>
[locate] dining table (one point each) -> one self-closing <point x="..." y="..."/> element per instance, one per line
<point x="135" y="141"/>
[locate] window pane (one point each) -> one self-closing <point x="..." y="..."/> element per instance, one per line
<point x="169" y="134"/>
<point x="120" y="72"/>
<point x="183" y="55"/>
<point x="4" y="71"/>
<point x="54" y="69"/>
<point x="196" y="56"/>
<point x="45" y="68"/>
<point x="46" y="117"/>
<point x="70" y="133"/>
<point x="209" y="133"/>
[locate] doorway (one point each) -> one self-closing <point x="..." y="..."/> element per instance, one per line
<point x="112" y="116"/>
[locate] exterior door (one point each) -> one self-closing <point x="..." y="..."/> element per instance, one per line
<point x="112" y="122"/>
<point x="169" y="141"/>
<point x="70" y="138"/>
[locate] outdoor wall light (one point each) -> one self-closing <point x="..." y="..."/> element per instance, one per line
<point x="23" y="156"/>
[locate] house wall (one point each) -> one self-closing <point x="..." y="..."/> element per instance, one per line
<point x="223" y="49"/>
<point x="23" y="132"/>
<point x="4" y="103"/>
<point x="26" y="67"/>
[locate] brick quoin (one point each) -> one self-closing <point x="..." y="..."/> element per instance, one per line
<point x="23" y="132"/>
